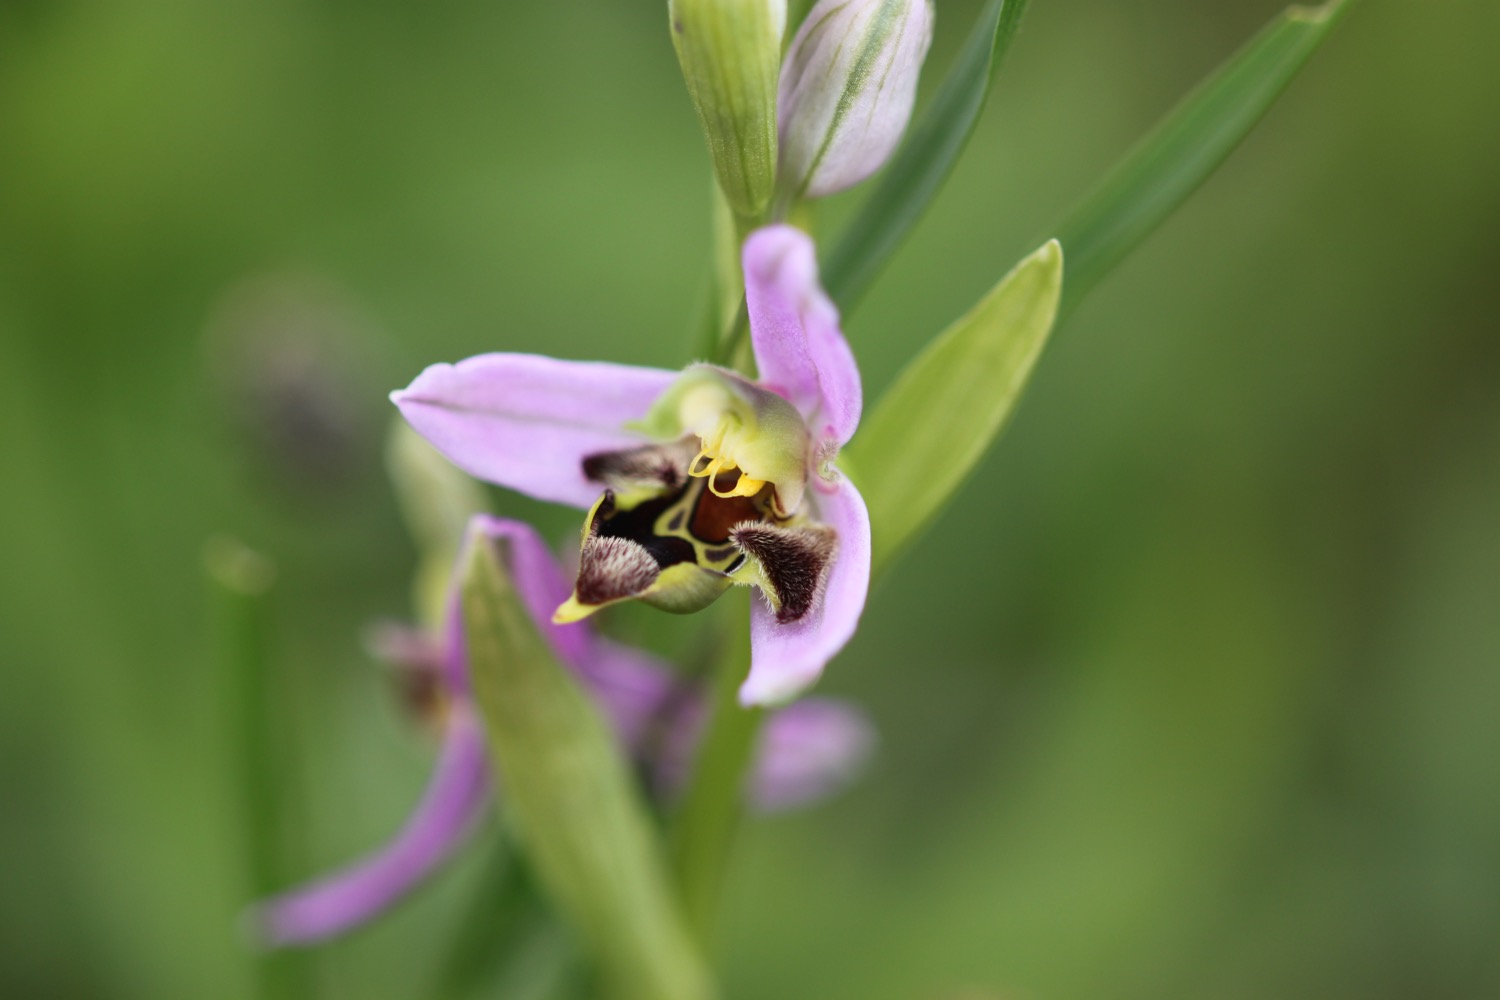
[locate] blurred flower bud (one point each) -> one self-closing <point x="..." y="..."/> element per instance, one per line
<point x="847" y="90"/>
<point x="730" y="51"/>
<point x="289" y="361"/>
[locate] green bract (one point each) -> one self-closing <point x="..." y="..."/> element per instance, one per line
<point x="730" y="51"/>
<point x="575" y="802"/>
<point x="931" y="427"/>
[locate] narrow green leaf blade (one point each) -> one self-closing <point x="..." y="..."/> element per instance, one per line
<point x="574" y="800"/>
<point x="1188" y="145"/>
<point x="933" y="425"/>
<point x="922" y="164"/>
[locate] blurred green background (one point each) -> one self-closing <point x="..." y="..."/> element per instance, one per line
<point x="1192" y="693"/>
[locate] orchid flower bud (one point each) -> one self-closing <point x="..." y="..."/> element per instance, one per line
<point x="730" y="51"/>
<point x="847" y="90"/>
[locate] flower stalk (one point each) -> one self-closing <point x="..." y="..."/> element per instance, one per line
<point x="703" y="830"/>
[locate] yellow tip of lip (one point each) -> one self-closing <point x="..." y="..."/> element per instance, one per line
<point x="572" y="610"/>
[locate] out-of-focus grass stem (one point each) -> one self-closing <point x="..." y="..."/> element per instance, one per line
<point x="259" y="758"/>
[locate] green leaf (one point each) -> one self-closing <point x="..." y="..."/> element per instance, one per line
<point x="922" y="164"/>
<point x="1180" y="153"/>
<point x="574" y="800"/>
<point x="933" y="425"/>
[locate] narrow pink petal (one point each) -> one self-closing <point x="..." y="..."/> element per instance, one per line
<point x="527" y="421"/>
<point x="786" y="659"/>
<point x="808" y="751"/>
<point x="456" y="794"/>
<point x="794" y="327"/>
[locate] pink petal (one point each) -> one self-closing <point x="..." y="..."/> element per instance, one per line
<point x="794" y="327"/>
<point x="808" y="751"/>
<point x="456" y="794"/>
<point x="787" y="659"/>
<point x="527" y="421"/>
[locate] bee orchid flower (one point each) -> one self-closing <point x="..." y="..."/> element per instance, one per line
<point x="806" y="751"/>
<point x="694" y="481"/>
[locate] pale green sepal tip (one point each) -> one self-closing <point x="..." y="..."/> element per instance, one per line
<point x="573" y="797"/>
<point x="934" y="424"/>
<point x="730" y="53"/>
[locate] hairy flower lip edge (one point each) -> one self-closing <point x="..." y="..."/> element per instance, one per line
<point x="630" y="684"/>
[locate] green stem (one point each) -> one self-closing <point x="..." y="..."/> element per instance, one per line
<point x="732" y="346"/>
<point x="706" y="822"/>
<point x="731" y="321"/>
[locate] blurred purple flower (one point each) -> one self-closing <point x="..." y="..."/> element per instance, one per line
<point x="708" y="479"/>
<point x="291" y="364"/>
<point x="807" y="750"/>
